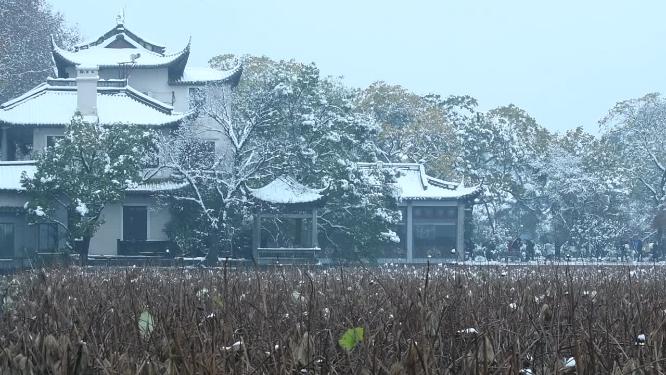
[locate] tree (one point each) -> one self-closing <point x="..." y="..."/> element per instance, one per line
<point x="585" y="195"/>
<point x="26" y="28"/>
<point x="217" y="172"/>
<point x="500" y="151"/>
<point x="89" y="168"/>
<point x="286" y="120"/>
<point x="635" y="131"/>
<point x="414" y="128"/>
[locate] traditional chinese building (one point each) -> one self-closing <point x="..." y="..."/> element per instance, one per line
<point x="122" y="79"/>
<point x="436" y="215"/>
<point x="119" y="78"/>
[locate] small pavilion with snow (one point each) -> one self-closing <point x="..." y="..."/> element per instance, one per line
<point x="436" y="216"/>
<point x="285" y="223"/>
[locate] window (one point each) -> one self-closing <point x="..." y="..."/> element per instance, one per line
<point x="19" y="144"/>
<point x="436" y="213"/>
<point x="52" y="139"/>
<point x="6" y="240"/>
<point x="47" y="237"/>
<point x="436" y="240"/>
<point x="135" y="223"/>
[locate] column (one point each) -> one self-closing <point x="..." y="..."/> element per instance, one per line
<point x="410" y="234"/>
<point x="4" y="152"/>
<point x="460" y="232"/>
<point x="315" y="240"/>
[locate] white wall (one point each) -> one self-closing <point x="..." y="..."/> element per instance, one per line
<point x="105" y="240"/>
<point x="39" y="136"/>
<point x="153" y="82"/>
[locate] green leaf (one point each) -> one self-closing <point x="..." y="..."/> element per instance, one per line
<point x="146" y="323"/>
<point x="351" y="338"/>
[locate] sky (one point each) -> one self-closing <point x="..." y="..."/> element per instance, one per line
<point x="565" y="62"/>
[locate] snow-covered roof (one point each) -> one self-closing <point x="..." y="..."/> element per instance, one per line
<point x="55" y="102"/>
<point x="152" y="186"/>
<point x="111" y="36"/>
<point x="11" y="172"/>
<point x="193" y="76"/>
<point x="112" y="57"/>
<point x="415" y="184"/>
<point x="119" y="47"/>
<point x="286" y="190"/>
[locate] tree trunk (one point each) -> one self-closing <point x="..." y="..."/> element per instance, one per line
<point x="84" y="249"/>
<point x="211" y="259"/>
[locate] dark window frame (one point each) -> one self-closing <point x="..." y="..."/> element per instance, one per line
<point x="4" y="250"/>
<point x="47" y="237"/>
<point x="133" y="234"/>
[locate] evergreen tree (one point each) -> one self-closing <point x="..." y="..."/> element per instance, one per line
<point x="89" y="168"/>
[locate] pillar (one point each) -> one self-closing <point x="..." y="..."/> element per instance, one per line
<point x="410" y="234"/>
<point x="315" y="239"/>
<point x="4" y="152"/>
<point x="460" y="232"/>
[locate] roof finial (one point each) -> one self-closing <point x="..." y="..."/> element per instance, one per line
<point x="120" y="19"/>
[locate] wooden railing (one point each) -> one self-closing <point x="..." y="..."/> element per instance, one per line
<point x="287" y="254"/>
<point x="146" y="248"/>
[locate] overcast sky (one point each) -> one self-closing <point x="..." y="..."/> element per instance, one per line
<point x="566" y="62"/>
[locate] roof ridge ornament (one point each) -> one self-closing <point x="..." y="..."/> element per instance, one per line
<point x="120" y="18"/>
<point x="461" y="185"/>
<point x="423" y="176"/>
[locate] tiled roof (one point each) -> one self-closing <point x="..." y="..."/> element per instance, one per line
<point x="415" y="184"/>
<point x="109" y="57"/>
<point x="126" y="35"/>
<point x="206" y="75"/>
<point x="48" y="105"/>
<point x="117" y="46"/>
<point x="286" y="190"/>
<point x="12" y="171"/>
<point x="153" y="186"/>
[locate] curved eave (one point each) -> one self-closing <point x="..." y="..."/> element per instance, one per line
<point x="176" y="64"/>
<point x="470" y="196"/>
<point x="232" y="79"/>
<point x="289" y="203"/>
<point x="121" y="29"/>
<point x="173" y="123"/>
<point x="60" y="61"/>
<point x="285" y="206"/>
<point x="149" y="101"/>
<point x="156" y="187"/>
